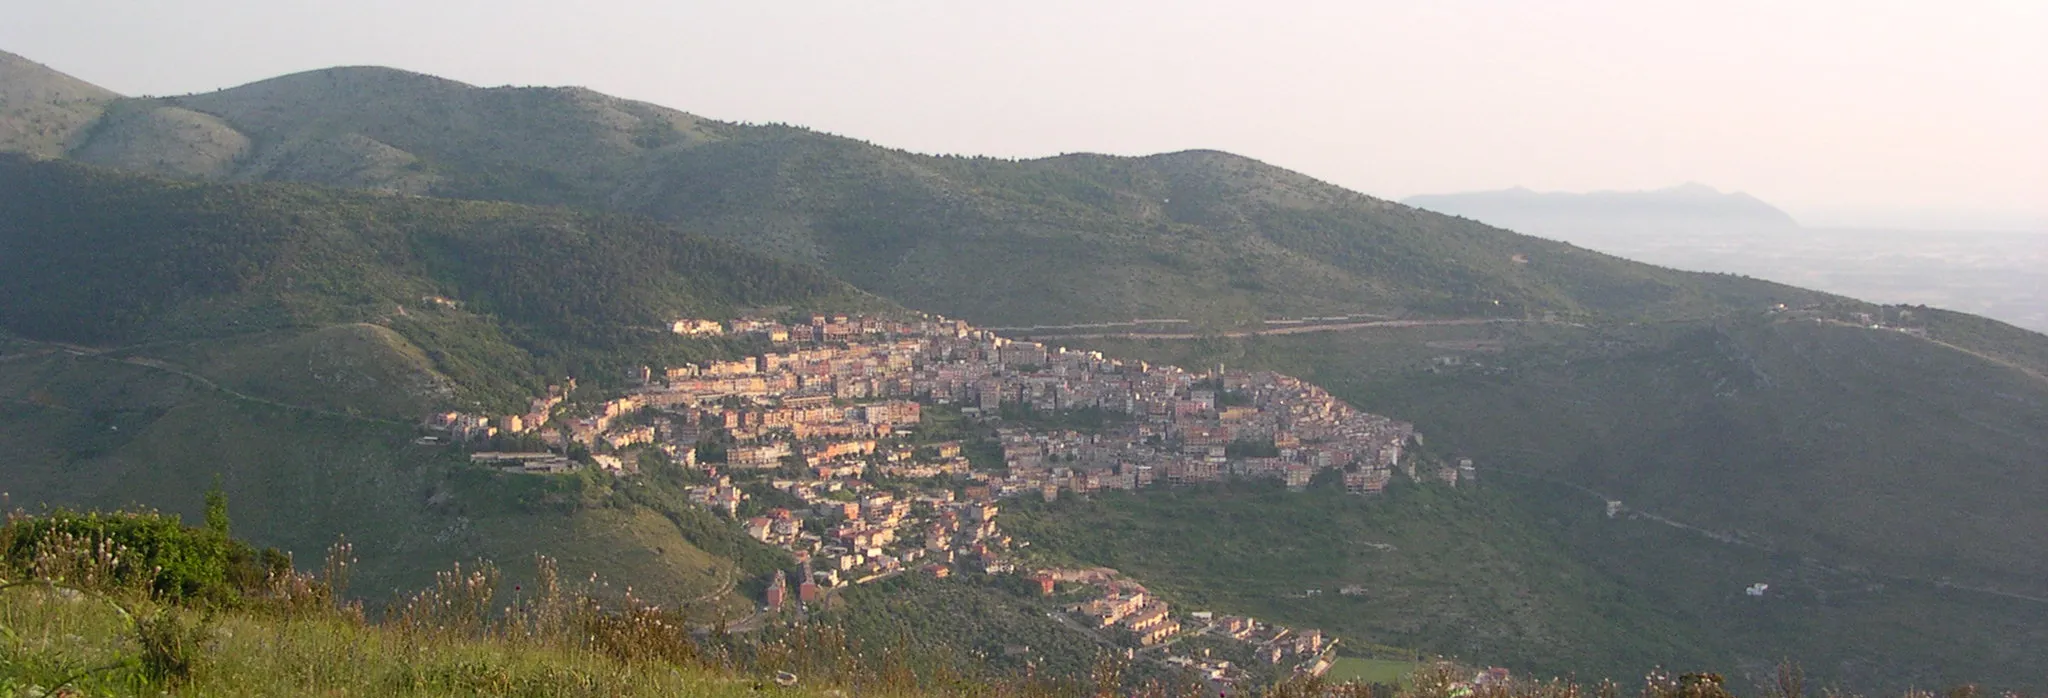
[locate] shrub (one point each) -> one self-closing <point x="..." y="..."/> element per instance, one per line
<point x="172" y="643"/>
<point x="141" y="550"/>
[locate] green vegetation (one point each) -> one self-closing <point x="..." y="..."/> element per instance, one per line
<point x="98" y="604"/>
<point x="81" y="618"/>
<point x="1201" y="235"/>
<point x="1087" y="420"/>
<point x="973" y="624"/>
<point x="282" y="335"/>
<point x="1534" y="577"/>
<point x="491" y="293"/>
<point x="44" y="112"/>
<point x="154" y="552"/>
<point x="1785" y="432"/>
<point x="1445" y="571"/>
<point x="1841" y="446"/>
<point x="99" y="433"/>
<point x="254" y="655"/>
<point x="1380" y="671"/>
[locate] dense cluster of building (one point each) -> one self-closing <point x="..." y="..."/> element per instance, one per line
<point x="878" y="533"/>
<point x="1166" y="424"/>
<point x="1122" y="609"/>
<point x="829" y="413"/>
<point x="1114" y="602"/>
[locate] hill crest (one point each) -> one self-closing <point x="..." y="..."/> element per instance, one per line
<point x="1685" y="206"/>
<point x="43" y="111"/>
<point x="1213" y="237"/>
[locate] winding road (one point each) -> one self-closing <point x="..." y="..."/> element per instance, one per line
<point x="1731" y="539"/>
<point x="1288" y="329"/>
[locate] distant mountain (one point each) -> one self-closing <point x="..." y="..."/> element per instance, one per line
<point x="1687" y="207"/>
<point x="1694" y="227"/>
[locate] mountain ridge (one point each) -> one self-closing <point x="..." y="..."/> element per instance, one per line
<point x="1687" y="206"/>
<point x="1216" y="237"/>
<point x="44" y="111"/>
<point x="119" y="258"/>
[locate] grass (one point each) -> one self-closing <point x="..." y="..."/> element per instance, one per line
<point x="47" y="109"/>
<point x="1388" y="672"/>
<point x="76" y="619"/>
<point x="357" y="369"/>
<point x="969" y="621"/>
<point x="50" y="636"/>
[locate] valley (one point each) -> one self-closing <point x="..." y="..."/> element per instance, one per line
<point x="450" y="322"/>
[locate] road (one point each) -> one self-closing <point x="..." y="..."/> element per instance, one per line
<point x="208" y="383"/>
<point x="1289" y="329"/>
<point x="1731" y="539"/>
<point x="1076" y="626"/>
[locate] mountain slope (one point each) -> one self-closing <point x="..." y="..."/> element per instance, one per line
<point x="1885" y="484"/>
<point x="285" y="338"/>
<point x="384" y="129"/>
<point x="116" y="259"/>
<point x="1200" y="235"/>
<point x="42" y="111"/>
<point x="102" y="432"/>
<point x="164" y="140"/>
<point x="1820" y="439"/>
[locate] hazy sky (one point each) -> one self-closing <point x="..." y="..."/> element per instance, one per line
<point x="1850" y="112"/>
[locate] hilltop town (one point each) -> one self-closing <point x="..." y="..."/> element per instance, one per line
<point x="869" y="447"/>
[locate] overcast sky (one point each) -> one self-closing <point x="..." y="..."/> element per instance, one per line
<point x="1853" y="112"/>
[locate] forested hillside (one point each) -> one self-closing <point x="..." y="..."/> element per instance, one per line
<point x="1199" y="235"/>
<point x="1823" y="439"/>
<point x="286" y="338"/>
<point x="493" y="292"/>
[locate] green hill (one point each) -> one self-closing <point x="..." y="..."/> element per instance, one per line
<point x="1828" y="455"/>
<point x="1201" y="235"/>
<point x="495" y="295"/>
<point x="97" y="432"/>
<point x="1820" y="439"/>
<point x="281" y="337"/>
<point x="44" y="112"/>
<point x="1907" y="456"/>
<point x="1687" y="207"/>
<point x="1533" y="576"/>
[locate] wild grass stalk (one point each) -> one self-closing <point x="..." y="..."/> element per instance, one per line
<point x="80" y="616"/>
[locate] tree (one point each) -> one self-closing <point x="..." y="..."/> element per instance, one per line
<point x="217" y="508"/>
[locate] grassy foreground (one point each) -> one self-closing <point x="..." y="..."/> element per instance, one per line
<point x="1385" y="671"/>
<point x="53" y="636"/>
<point x="139" y="604"/>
